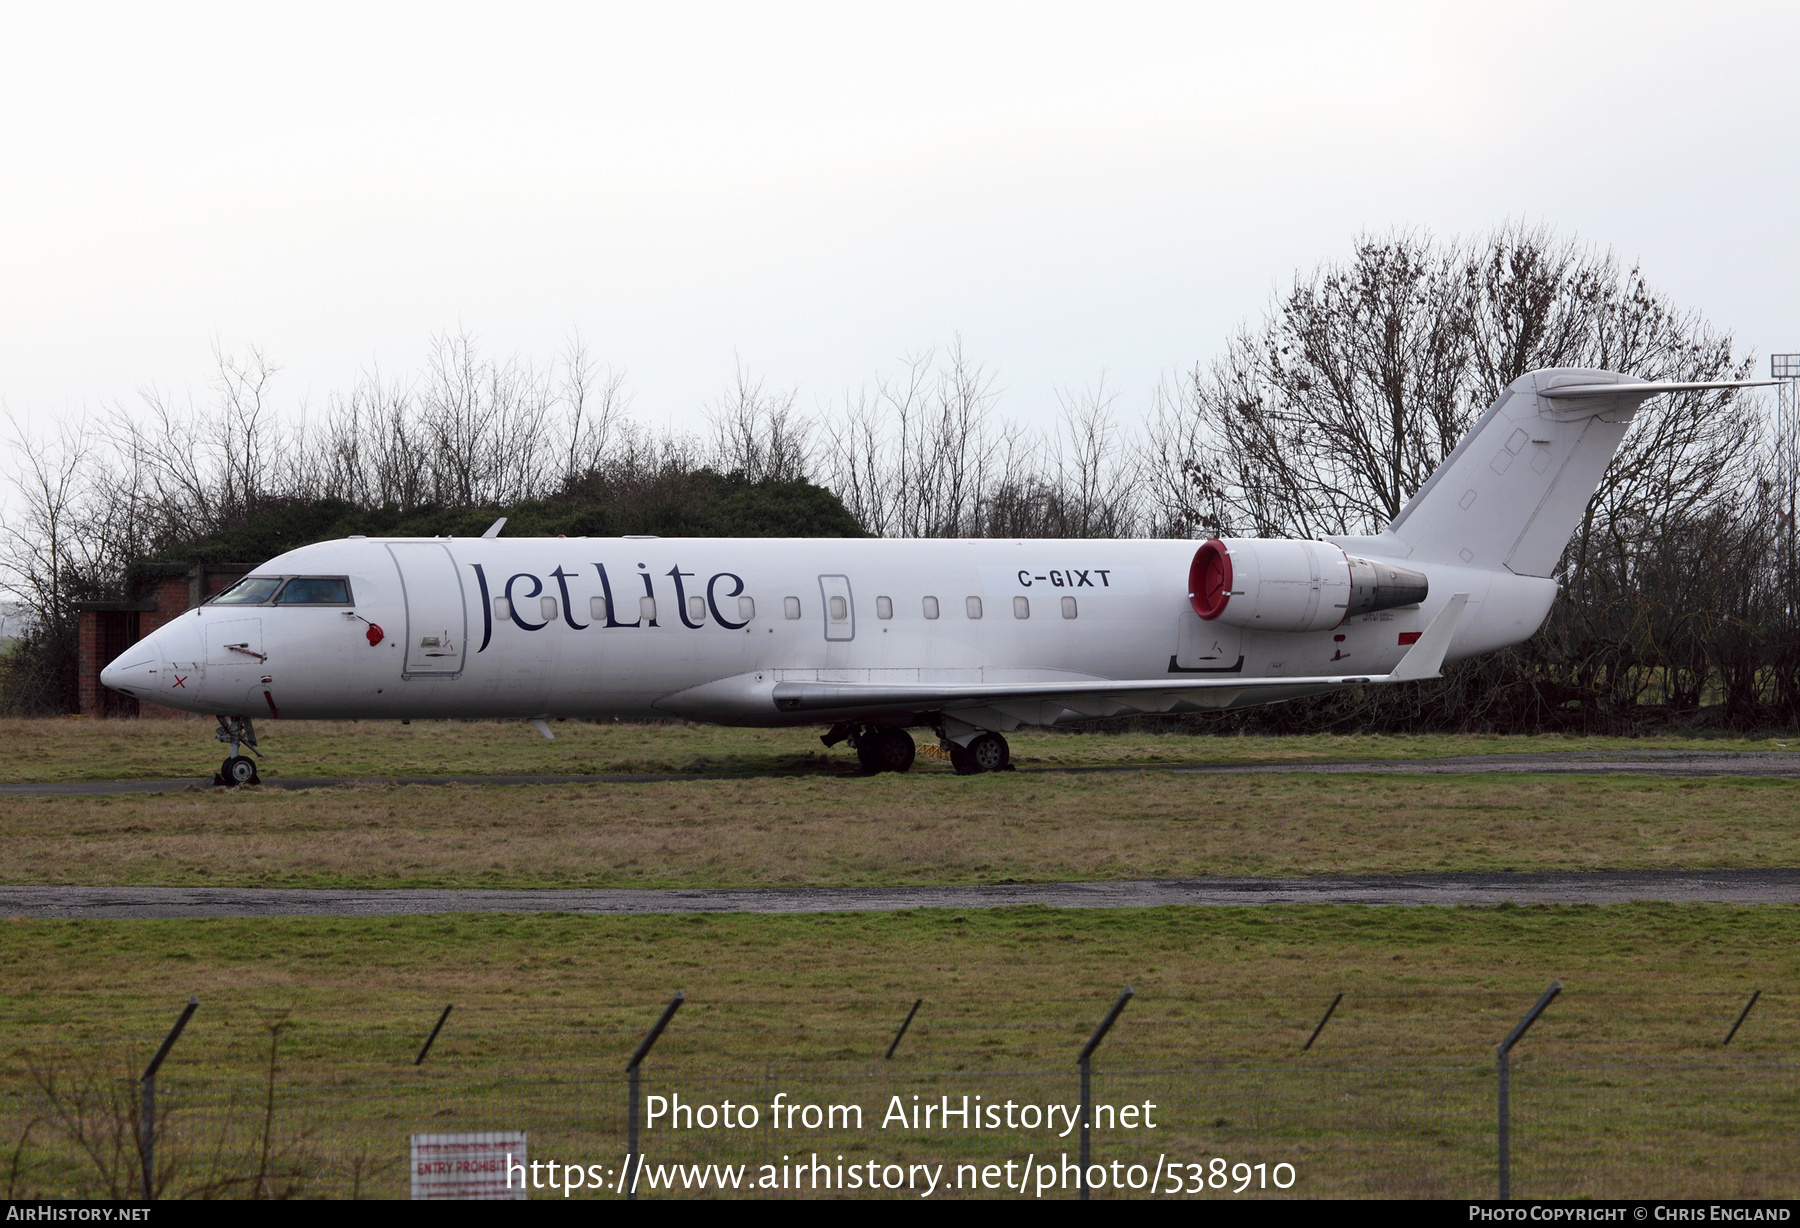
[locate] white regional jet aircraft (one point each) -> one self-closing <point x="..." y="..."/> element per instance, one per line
<point x="969" y="639"/>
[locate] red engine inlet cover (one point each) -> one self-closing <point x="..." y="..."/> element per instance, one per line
<point x="1209" y="580"/>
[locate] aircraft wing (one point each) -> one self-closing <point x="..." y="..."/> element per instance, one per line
<point x="1423" y="660"/>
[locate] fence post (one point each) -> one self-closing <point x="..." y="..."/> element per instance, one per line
<point x="1087" y="1100"/>
<point x="426" y="1048"/>
<point x="634" y="1161"/>
<point x="147" y="1103"/>
<point x="1323" y="1022"/>
<point x="1742" y="1015"/>
<point x="906" y="1023"/>
<point x="1502" y="1055"/>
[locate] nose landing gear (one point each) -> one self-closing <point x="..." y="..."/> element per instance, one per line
<point x="238" y="769"/>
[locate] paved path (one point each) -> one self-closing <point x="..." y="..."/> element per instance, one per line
<point x="1574" y="763"/>
<point x="1596" y="887"/>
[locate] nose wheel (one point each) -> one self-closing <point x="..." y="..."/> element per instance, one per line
<point x="239" y="769"/>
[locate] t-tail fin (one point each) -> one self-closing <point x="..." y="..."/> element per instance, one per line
<point x="1514" y="490"/>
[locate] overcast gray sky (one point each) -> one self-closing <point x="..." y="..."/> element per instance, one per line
<point x="818" y="189"/>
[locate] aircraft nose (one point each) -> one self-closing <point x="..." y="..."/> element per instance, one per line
<point x="132" y="670"/>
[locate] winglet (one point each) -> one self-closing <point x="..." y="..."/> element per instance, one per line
<point x="1426" y="657"/>
<point x="494" y="529"/>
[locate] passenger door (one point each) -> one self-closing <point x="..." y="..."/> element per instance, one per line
<point x="437" y="623"/>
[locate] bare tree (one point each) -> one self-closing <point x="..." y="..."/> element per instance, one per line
<point x="921" y="454"/>
<point x="594" y="400"/>
<point x="758" y="434"/>
<point x="1326" y="419"/>
<point x="1098" y="476"/>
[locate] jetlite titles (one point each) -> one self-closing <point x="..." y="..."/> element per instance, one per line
<point x="567" y="609"/>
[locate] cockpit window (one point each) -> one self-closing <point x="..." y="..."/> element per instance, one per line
<point x="251" y="590"/>
<point x="315" y="590"/>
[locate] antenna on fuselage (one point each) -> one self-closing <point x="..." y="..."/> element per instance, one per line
<point x="494" y="529"/>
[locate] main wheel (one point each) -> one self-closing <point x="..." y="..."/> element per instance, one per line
<point x="962" y="760"/>
<point x="990" y="753"/>
<point x="894" y="750"/>
<point x="239" y="770"/>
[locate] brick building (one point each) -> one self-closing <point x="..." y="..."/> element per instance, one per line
<point x="108" y="628"/>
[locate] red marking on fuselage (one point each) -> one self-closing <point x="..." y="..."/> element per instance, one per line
<point x="180" y="682"/>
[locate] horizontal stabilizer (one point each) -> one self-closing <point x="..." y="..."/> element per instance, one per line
<point x="1568" y="392"/>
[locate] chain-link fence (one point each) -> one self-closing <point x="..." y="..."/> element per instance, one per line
<point x="1719" y="1127"/>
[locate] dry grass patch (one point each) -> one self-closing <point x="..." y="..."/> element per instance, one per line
<point x="887" y="830"/>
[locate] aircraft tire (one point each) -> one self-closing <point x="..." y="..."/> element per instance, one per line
<point x="238" y="770"/>
<point x="962" y="760"/>
<point x="894" y="750"/>
<point x="990" y="753"/>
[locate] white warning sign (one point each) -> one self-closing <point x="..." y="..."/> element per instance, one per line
<point x="469" y="1165"/>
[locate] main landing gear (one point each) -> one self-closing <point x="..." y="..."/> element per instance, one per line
<point x="987" y="753"/>
<point x="238" y="769"/>
<point x="879" y="748"/>
<point x="886" y="748"/>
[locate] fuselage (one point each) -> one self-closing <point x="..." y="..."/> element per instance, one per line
<point x="623" y="627"/>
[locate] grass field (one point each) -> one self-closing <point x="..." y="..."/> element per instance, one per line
<point x="83" y="749"/>
<point x="1621" y="1089"/>
<point x="887" y="830"/>
<point x="1003" y="986"/>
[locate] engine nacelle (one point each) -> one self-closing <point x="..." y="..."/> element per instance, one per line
<point x="1280" y="584"/>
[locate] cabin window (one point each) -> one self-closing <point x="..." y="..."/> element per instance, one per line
<point x="315" y="590"/>
<point x="931" y="607"/>
<point x="790" y="607"/>
<point x="647" y="609"/>
<point x="502" y="609"/>
<point x="251" y="590"/>
<point x="696" y="609"/>
<point x="597" y="608"/>
<point x="1021" y="607"/>
<point x="746" y="609"/>
<point x="884" y="607"/>
<point x="840" y="609"/>
<point x="973" y="606"/>
<point x="547" y="608"/>
<point x="1068" y="607"/>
